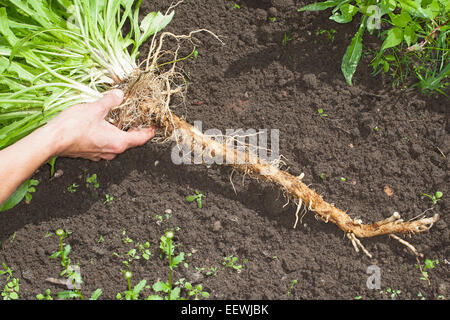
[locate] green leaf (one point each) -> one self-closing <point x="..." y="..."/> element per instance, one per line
<point x="353" y="54"/>
<point x="409" y="35"/>
<point x="69" y="294"/>
<point x="16" y="197"/>
<point x="56" y="254"/>
<point x="175" y="293"/>
<point x="153" y="23"/>
<point x="191" y="198"/>
<point x="400" y="20"/>
<point x="139" y="287"/>
<point x="319" y="6"/>
<point x="347" y="13"/>
<point x="393" y="39"/>
<point x="176" y="260"/>
<point x="160" y="286"/>
<point x="96" y="294"/>
<point x="14" y="295"/>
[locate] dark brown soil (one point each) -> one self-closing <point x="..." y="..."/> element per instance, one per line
<point x="256" y="82"/>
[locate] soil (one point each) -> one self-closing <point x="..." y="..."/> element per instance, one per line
<point x="255" y="82"/>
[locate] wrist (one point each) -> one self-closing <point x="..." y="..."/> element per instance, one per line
<point x="55" y="140"/>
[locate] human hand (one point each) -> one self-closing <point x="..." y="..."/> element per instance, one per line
<point x="83" y="131"/>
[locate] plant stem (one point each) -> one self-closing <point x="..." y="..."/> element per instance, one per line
<point x="170" y="268"/>
<point x="63" y="259"/>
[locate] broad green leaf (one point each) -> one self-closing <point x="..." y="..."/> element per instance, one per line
<point x="153" y="23"/>
<point x="409" y="35"/>
<point x="160" y="286"/>
<point x="353" y="53"/>
<point x="139" y="287"/>
<point x="14" y="295"/>
<point x="175" y="293"/>
<point x="319" y="6"/>
<point x="400" y="20"/>
<point x="393" y="39"/>
<point x="16" y="197"/>
<point x="347" y="13"/>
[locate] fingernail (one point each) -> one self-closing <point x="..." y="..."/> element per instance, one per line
<point x="119" y="93"/>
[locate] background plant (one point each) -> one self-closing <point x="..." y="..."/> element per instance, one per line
<point x="414" y="38"/>
<point x="69" y="271"/>
<point x="12" y="286"/>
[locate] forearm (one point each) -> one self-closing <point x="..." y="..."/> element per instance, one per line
<point x="20" y="160"/>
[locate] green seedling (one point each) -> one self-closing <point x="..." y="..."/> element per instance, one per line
<point x="286" y="39"/>
<point x="100" y="239"/>
<point x="429" y="264"/>
<point x="231" y="262"/>
<point x="236" y="6"/>
<point x="71" y="273"/>
<point x="330" y="33"/>
<point x="376" y="129"/>
<point x="31" y="189"/>
<point x="13" y="237"/>
<point x="391" y="292"/>
<point x="144" y="250"/>
<point x="291" y="287"/>
<point x="92" y="180"/>
<point x="46" y="296"/>
<point x="196" y="291"/>
<point x="343" y="179"/>
<point x="212" y="272"/>
<point x="159" y="218"/>
<point x="357" y="298"/>
<point x="322" y="113"/>
<point x="72" y="188"/>
<point x="131" y="293"/>
<point x="322" y="176"/>
<point x="126" y="239"/>
<point x="51" y="163"/>
<point x="108" y="199"/>
<point x="167" y="247"/>
<point x="196" y="197"/>
<point x="194" y="54"/>
<point x="272" y="19"/>
<point x="435" y="197"/>
<point x="12" y="287"/>
<point x="139" y="250"/>
<point x="420" y="295"/>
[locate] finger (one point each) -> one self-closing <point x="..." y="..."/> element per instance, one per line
<point x="138" y="137"/>
<point x="108" y="156"/>
<point x="112" y="99"/>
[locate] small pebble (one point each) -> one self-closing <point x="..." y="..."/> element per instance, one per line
<point x="217" y="226"/>
<point x="168" y="211"/>
<point x="58" y="173"/>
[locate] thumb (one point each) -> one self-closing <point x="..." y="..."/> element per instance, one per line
<point x="111" y="99"/>
<point x="138" y="137"/>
